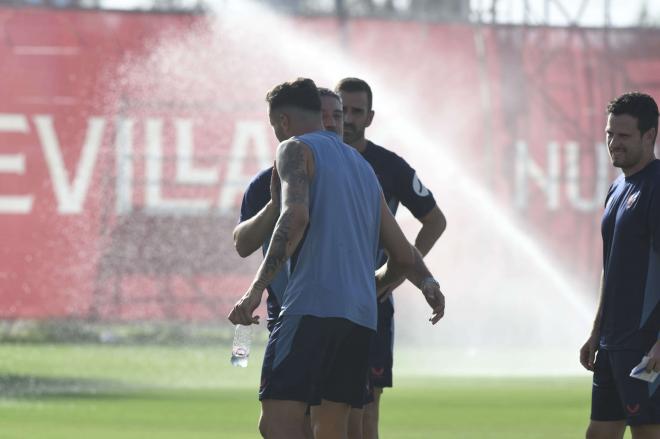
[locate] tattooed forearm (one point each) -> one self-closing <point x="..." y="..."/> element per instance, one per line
<point x="277" y="253"/>
<point x="290" y="227"/>
<point x="288" y="232"/>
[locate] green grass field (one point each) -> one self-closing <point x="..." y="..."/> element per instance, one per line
<point x="96" y="391"/>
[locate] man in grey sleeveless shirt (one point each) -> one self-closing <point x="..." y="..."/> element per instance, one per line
<point x="332" y="217"/>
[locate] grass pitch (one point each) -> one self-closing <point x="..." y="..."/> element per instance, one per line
<point x="96" y="391"/>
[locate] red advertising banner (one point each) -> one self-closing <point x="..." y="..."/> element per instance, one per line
<point x="127" y="139"/>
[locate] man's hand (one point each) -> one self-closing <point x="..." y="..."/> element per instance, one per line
<point x="241" y="314"/>
<point x="435" y="299"/>
<point x="588" y="352"/>
<point x="275" y="188"/>
<point x="654" y="358"/>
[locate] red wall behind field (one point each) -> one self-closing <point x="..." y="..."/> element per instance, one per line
<point x="105" y="214"/>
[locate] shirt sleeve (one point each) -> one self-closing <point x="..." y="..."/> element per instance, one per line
<point x="654" y="218"/>
<point x="247" y="210"/>
<point x="256" y="196"/>
<point x="411" y="191"/>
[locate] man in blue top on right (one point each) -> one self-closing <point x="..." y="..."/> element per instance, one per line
<point x="627" y="324"/>
<point x="400" y="184"/>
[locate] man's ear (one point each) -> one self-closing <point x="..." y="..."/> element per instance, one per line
<point x="284" y="120"/>
<point x="370" y="118"/>
<point x="649" y="136"/>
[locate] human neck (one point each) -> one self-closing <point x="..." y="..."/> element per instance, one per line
<point x="360" y="145"/>
<point x="638" y="167"/>
<point x="305" y="128"/>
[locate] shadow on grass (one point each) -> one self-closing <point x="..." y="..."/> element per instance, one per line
<point x="29" y="386"/>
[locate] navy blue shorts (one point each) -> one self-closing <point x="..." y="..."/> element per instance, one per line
<point x="309" y="359"/>
<point x="615" y="396"/>
<point x="381" y="353"/>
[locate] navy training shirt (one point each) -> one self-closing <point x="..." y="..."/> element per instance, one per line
<point x="399" y="182"/>
<point x="631" y="261"/>
<point x="255" y="198"/>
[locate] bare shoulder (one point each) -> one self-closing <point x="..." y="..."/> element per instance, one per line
<point x="292" y="148"/>
<point x="293" y="157"/>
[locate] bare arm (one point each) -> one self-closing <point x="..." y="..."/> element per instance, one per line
<point x="590" y="347"/>
<point x="397" y="247"/>
<point x="295" y="168"/>
<point x="434" y="224"/>
<point x="599" y="313"/>
<point x="252" y="233"/>
<point x="405" y="260"/>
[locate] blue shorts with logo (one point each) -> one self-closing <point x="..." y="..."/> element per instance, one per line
<point x="310" y="359"/>
<point x="616" y="396"/>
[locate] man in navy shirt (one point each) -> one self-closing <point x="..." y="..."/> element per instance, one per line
<point x="400" y="184"/>
<point x="627" y="323"/>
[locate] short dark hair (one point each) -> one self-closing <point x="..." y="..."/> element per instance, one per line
<point x="638" y="105"/>
<point x="355" y="84"/>
<point x="327" y="92"/>
<point x="300" y="93"/>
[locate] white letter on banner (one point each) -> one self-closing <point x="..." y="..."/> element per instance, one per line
<point x="525" y="168"/>
<point x="124" y="164"/>
<point x="186" y="173"/>
<point x="236" y="180"/>
<point x="70" y="195"/>
<point x="601" y="168"/>
<point x="155" y="201"/>
<point x="14" y="164"/>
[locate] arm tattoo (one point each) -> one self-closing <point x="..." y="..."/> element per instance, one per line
<point x="292" y="168"/>
<point x="277" y="251"/>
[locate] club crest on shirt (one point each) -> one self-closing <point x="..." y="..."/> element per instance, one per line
<point x="419" y="188"/>
<point x="631" y="200"/>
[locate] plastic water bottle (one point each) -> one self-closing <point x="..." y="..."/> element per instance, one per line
<point x="240" y="349"/>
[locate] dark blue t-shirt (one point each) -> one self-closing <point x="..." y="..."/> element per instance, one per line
<point x="631" y="261"/>
<point x="255" y="198"/>
<point x="399" y="182"/>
